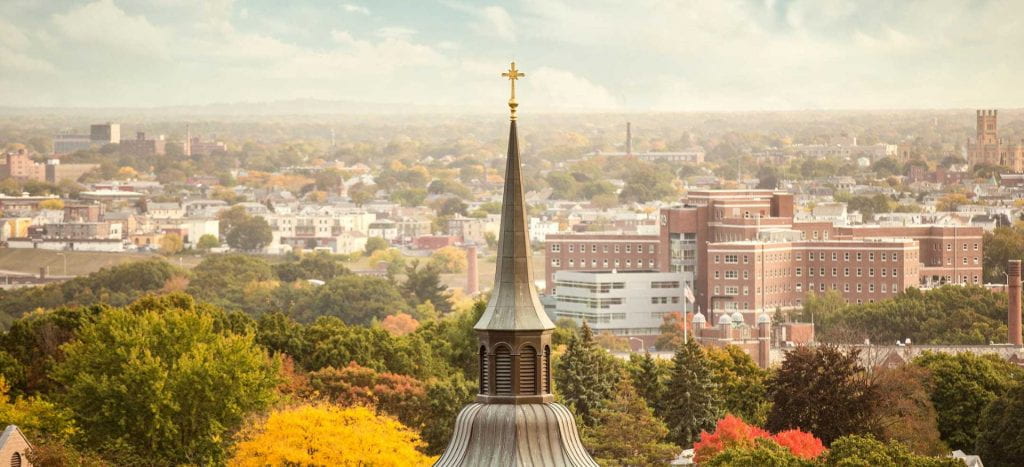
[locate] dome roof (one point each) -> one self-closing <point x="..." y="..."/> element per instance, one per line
<point x="763" y="318"/>
<point x="699" y="318"/>
<point x="737" y="317"/>
<point x="724" y="319"/>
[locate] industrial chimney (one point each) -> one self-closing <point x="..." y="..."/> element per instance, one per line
<point x="472" y="276"/>
<point x="629" y="139"/>
<point x="1013" y="307"/>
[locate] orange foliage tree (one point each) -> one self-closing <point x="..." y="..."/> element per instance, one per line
<point x="399" y="324"/>
<point x="401" y="396"/>
<point x="732" y="431"/>
<point x="325" y="434"/>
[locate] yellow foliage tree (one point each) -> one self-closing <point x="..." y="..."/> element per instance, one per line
<point x="171" y="243"/>
<point x="449" y="259"/>
<point x="326" y="434"/>
<point x="52" y="204"/>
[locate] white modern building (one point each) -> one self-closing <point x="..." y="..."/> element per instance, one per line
<point x="624" y="303"/>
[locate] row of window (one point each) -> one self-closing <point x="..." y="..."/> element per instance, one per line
<point x="664" y="300"/>
<point x="799" y="288"/>
<point x="557" y="263"/>
<point x="949" y="247"/>
<point x="593" y="303"/>
<point x="812" y="256"/>
<point x="600" y="287"/>
<point x="571" y="247"/>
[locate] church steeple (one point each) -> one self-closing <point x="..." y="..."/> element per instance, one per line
<point x="514" y="421"/>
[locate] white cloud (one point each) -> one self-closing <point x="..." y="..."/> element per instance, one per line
<point x="103" y="23"/>
<point x="355" y="9"/>
<point x="554" y="89"/>
<point x="496" y="21"/>
<point x="395" y="33"/>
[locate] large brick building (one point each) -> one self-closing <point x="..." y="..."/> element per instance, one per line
<point x="987" y="148"/>
<point x="742" y="250"/>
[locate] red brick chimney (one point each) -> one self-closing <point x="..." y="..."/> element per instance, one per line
<point x="764" y="345"/>
<point x="1013" y="308"/>
<point x="472" y="276"/>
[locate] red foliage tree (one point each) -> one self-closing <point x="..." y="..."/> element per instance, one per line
<point x="732" y="431"/>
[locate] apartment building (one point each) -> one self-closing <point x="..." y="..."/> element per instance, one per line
<point x="597" y="252"/>
<point x="624" y="303"/>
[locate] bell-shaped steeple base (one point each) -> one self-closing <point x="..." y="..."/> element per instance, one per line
<point x="515" y="435"/>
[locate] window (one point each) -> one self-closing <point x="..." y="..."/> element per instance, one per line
<point x="846" y="256"/>
<point x="717" y="259"/>
<point x="650" y="248"/>
<point x="859" y="256"/>
<point x="731" y="259"/>
<point x="716" y="274"/>
<point x="629" y="248"/>
<point x="871" y="256"/>
<point x="884" y="256"/>
<point x="859" y="287"/>
<point x="604" y="263"/>
<point x="556" y="247"/>
<point x="503" y="371"/>
<point x="821" y="287"/>
<point x="834" y="272"/>
<point x="571" y="248"/>
<point x="821" y="272"/>
<point x="732" y="290"/>
<point x="556" y="262"/>
<point x="810" y="272"/>
<point x="965" y="247"/>
<point x="746" y="290"/>
<point x="572" y="263"/>
<point x="617" y="248"/>
<point x="798" y="274"/>
<point x="894" y="274"/>
<point x="882" y="271"/>
<point x="616" y="263"/>
<point x="949" y="247"/>
<point x="746" y="259"/>
<point x="604" y="248"/>
<point x="871" y="287"/>
<point x="884" y="286"/>
<point x="965" y="260"/>
<point x="799" y="257"/>
<point x="717" y="290"/>
<point x="833" y="256"/>
<point x="846" y="272"/>
<point x="732" y="274"/>
<point x="746" y="275"/>
<point x="975" y="247"/>
<point x="593" y="263"/>
<point x="858" y="272"/>
<point x="593" y="248"/>
<point x="846" y="287"/>
<point x="675" y="299"/>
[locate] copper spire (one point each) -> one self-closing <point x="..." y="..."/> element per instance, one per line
<point x="514" y="303"/>
<point x="514" y="421"/>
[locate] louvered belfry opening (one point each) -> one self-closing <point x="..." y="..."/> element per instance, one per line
<point x="503" y="371"/>
<point x="528" y="370"/>
<point x="483" y="370"/>
<point x="546" y="369"/>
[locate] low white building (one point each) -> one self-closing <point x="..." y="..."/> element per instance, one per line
<point x="625" y="303"/>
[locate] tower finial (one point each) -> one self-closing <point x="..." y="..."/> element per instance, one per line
<point x="513" y="74"/>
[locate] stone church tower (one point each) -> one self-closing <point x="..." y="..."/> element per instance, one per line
<point x="514" y="421"/>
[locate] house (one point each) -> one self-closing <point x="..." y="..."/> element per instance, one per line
<point x="14" y="447"/>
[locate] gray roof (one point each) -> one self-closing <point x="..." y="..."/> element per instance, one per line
<point x="514" y="304"/>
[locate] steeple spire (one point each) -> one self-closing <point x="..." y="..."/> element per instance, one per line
<point x="514" y="421"/>
<point x="514" y="304"/>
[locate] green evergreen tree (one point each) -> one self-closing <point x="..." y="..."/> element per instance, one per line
<point x="691" y="402"/>
<point x="1001" y="437"/>
<point x="586" y="376"/>
<point x="627" y="433"/>
<point x="648" y="378"/>
<point x="423" y="284"/>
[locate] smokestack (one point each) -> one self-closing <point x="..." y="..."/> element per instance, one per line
<point x="188" y="140"/>
<point x="1013" y="308"/>
<point x="472" y="277"/>
<point x="764" y="345"/>
<point x="629" y="139"/>
<point x="42" y="272"/>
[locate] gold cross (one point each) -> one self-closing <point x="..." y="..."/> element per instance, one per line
<point x="513" y="74"/>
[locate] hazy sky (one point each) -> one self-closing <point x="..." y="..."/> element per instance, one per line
<point x="586" y="54"/>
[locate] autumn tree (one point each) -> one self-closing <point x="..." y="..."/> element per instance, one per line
<point x="325" y="434"/>
<point x="673" y="327"/>
<point x="732" y="433"/>
<point x="740" y="382"/>
<point x="448" y="259"/>
<point x="586" y="376"/>
<point x="400" y="396"/>
<point x="319" y="265"/>
<point x="962" y="386"/>
<point x="822" y="390"/>
<point x="866" y="450"/>
<point x="625" y="432"/>
<point x="222" y="279"/>
<point x="175" y="385"/>
<point x="375" y="243"/>
<point x="357" y="299"/>
<point x="207" y="242"/>
<point x="252" y="234"/>
<point x="692" y="402"/>
<point x="171" y="243"/>
<point x="999" y="438"/>
<point x="445" y="398"/>
<point x="399" y="324"/>
<point x="904" y="411"/>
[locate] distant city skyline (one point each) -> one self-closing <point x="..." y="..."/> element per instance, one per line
<point x="643" y="55"/>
